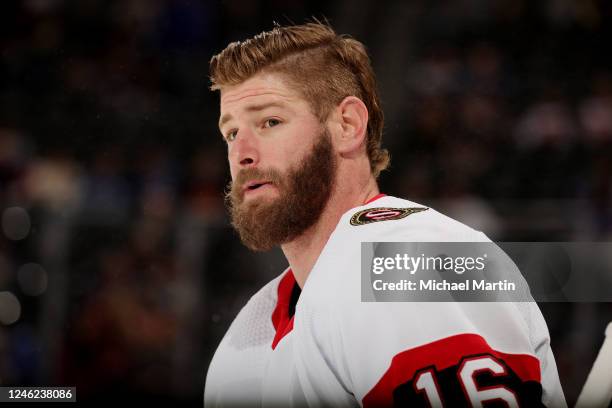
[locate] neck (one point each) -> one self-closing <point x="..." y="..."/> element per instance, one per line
<point x="303" y="252"/>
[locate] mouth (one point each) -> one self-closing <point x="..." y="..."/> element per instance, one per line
<point x="254" y="185"/>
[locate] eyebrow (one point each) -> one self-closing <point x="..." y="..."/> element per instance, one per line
<point x="252" y="108"/>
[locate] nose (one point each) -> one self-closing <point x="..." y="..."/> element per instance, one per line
<point x="244" y="151"/>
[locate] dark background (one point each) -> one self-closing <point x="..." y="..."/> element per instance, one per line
<point x="119" y="272"/>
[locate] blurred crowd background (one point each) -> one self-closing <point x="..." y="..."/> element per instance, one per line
<point x="119" y="272"/>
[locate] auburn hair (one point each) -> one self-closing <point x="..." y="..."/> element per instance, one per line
<point x="324" y="67"/>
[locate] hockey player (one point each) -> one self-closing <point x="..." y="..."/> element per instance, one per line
<point x="303" y="125"/>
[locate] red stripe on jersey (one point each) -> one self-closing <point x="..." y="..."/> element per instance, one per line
<point x="283" y="323"/>
<point x="442" y="354"/>
<point x="376" y="197"/>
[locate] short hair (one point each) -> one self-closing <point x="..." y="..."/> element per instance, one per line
<point x="324" y="67"/>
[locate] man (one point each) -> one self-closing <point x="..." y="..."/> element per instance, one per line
<point x="303" y="125"/>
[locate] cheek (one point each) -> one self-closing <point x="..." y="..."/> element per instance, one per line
<point x="276" y="153"/>
<point x="301" y="147"/>
<point x="300" y="142"/>
<point x="286" y="159"/>
<point x="232" y="169"/>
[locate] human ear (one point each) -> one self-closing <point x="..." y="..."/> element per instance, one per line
<point x="351" y="118"/>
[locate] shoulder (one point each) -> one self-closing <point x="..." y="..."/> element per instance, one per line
<point x="253" y="323"/>
<point x="388" y="219"/>
<point x="395" y="219"/>
<point x="246" y="344"/>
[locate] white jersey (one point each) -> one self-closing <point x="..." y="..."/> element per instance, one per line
<point x="332" y="349"/>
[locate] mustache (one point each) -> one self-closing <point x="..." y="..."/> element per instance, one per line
<point x="233" y="190"/>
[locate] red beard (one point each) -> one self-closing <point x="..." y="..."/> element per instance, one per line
<point x="304" y="192"/>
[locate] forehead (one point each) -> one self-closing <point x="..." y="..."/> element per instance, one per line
<point x="260" y="88"/>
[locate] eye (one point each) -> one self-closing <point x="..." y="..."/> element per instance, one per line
<point x="231" y="135"/>
<point x="271" y="123"/>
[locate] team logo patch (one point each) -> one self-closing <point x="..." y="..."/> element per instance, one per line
<point x="371" y="215"/>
